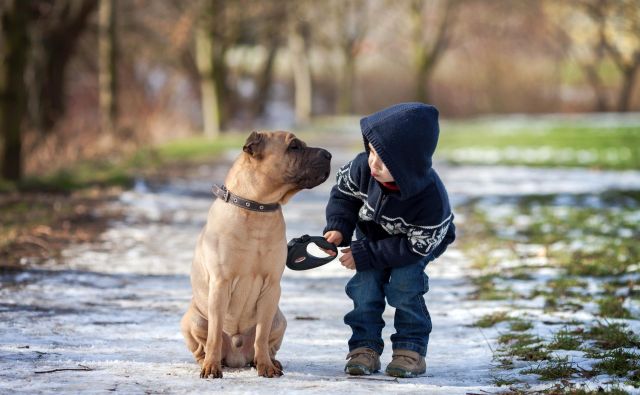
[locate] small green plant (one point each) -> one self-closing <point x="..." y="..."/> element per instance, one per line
<point x="519" y="325"/>
<point x="554" y="369"/>
<point x="612" y="335"/>
<point x="565" y="340"/>
<point x="489" y="320"/>
<point x="611" y="306"/>
<point x="523" y="346"/>
<point x="619" y="362"/>
<point x="486" y="289"/>
<point x="500" y="381"/>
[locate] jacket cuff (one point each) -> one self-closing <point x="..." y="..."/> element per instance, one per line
<point x="361" y="256"/>
<point x="343" y="227"/>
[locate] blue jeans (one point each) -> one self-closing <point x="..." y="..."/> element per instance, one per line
<point x="403" y="288"/>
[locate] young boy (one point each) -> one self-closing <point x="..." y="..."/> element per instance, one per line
<point x="399" y="208"/>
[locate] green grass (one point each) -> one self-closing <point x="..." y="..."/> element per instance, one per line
<point x="610" y="336"/>
<point x="565" y="340"/>
<point x="618" y="362"/>
<point x="486" y="289"/>
<point x="611" y="306"/>
<point x="491" y="319"/>
<point x="589" y="243"/>
<point x="541" y="142"/>
<point x="198" y="149"/>
<point x="554" y="369"/>
<point x="550" y="141"/>
<point x="121" y="171"/>
<point x="523" y="346"/>
<point x="520" y="325"/>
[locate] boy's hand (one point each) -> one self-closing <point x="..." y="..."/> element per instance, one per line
<point x="334" y="237"/>
<point x="347" y="259"/>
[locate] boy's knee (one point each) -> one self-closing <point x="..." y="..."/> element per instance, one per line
<point x="364" y="286"/>
<point x="403" y="288"/>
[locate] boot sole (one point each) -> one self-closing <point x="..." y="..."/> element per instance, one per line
<point x="358" y="370"/>
<point x="394" y="372"/>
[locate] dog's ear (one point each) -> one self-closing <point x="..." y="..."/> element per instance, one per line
<point x="254" y="144"/>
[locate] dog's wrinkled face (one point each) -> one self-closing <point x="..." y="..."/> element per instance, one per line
<point x="289" y="158"/>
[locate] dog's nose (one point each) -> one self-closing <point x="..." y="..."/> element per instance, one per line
<point x="325" y="154"/>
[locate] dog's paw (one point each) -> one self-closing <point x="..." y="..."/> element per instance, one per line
<point x="211" y="369"/>
<point x="269" y="369"/>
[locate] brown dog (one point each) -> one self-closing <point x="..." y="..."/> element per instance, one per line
<point x="234" y="319"/>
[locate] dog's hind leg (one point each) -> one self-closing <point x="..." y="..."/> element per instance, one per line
<point x="194" y="330"/>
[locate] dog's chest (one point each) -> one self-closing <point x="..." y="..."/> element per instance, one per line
<point x="245" y="294"/>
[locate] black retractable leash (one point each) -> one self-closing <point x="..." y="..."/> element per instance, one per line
<point x="299" y="259"/>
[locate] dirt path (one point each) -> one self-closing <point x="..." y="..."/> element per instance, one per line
<point x="109" y="320"/>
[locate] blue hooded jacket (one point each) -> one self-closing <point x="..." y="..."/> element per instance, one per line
<point x="394" y="228"/>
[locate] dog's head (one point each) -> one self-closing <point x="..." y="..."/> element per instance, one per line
<point x="287" y="159"/>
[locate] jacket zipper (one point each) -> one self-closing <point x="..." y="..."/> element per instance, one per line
<point x="378" y="212"/>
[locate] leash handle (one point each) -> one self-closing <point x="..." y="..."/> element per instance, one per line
<point x="299" y="259"/>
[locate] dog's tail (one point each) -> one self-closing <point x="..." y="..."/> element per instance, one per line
<point x="236" y="340"/>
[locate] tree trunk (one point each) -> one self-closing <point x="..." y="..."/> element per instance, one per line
<point x="345" y="91"/>
<point x="420" y="52"/>
<point x="12" y="86"/>
<point x="628" y="80"/>
<point x="422" y="74"/>
<point x="427" y="51"/>
<point x="57" y="47"/>
<point x="223" y="93"/>
<point x="265" y="79"/>
<point x="595" y="81"/>
<point x="107" y="46"/>
<point x="208" y="90"/>
<point x="301" y="71"/>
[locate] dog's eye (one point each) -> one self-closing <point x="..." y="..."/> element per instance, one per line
<point x="294" y="145"/>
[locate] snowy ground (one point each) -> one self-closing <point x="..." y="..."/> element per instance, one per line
<point x="108" y="319"/>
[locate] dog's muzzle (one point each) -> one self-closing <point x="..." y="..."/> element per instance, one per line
<point x="319" y="168"/>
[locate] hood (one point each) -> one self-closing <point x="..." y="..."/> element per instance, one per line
<point x="405" y="137"/>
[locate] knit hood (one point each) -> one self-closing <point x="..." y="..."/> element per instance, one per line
<point x="405" y="137"/>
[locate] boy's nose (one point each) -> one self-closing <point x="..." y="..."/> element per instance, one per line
<point x="375" y="163"/>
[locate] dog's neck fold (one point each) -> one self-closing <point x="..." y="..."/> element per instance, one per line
<point x="249" y="183"/>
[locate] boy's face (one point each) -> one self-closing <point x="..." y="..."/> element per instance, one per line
<point x="378" y="170"/>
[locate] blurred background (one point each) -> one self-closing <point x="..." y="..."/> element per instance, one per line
<point x="101" y="78"/>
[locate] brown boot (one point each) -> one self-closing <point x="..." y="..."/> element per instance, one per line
<point x="362" y="361"/>
<point x="406" y="363"/>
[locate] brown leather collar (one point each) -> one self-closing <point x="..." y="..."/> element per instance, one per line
<point x="223" y="193"/>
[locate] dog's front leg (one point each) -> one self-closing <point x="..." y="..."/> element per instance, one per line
<point x="218" y="302"/>
<point x="266" y="310"/>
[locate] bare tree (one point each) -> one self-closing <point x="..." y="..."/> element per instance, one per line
<point x="60" y="25"/>
<point x="13" y="94"/>
<point x="621" y="40"/>
<point x="270" y="35"/>
<point x="601" y="30"/>
<point x="298" y="41"/>
<point x="207" y="62"/>
<point x="570" y="34"/>
<point x="593" y="76"/>
<point x="352" y="24"/>
<point x="107" y="70"/>
<point x="431" y="24"/>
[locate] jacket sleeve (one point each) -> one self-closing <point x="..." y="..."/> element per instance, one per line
<point x="418" y="243"/>
<point x="345" y="202"/>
